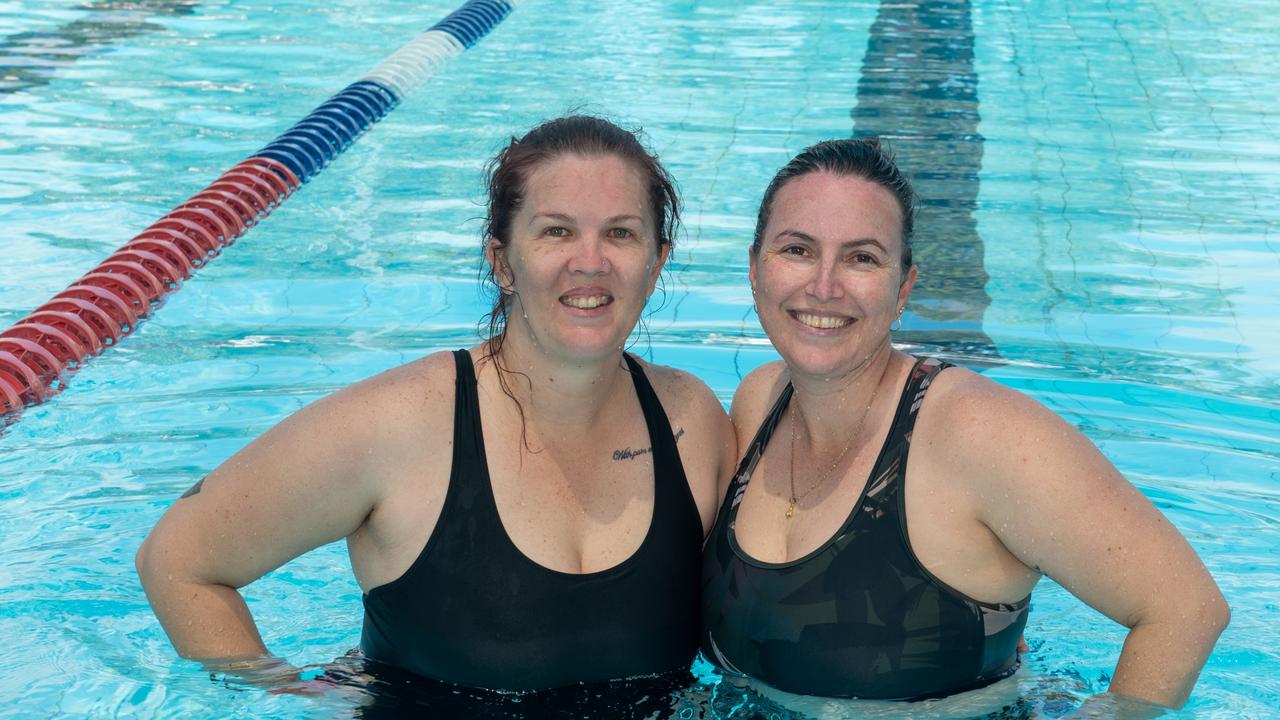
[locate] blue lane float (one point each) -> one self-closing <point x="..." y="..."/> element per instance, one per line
<point x="107" y="303"/>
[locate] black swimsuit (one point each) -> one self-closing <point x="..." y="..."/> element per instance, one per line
<point x="474" y="610"/>
<point x="860" y="616"/>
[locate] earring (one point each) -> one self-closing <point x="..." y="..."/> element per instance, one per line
<point x="896" y="321"/>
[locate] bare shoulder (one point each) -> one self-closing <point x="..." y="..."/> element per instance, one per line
<point x="689" y="403"/>
<point x="403" y="401"/>
<point x="312" y="479"/>
<point x="704" y="436"/>
<point x="755" y="394"/>
<point x="420" y="386"/>
<point x="996" y="441"/>
<point x="977" y="412"/>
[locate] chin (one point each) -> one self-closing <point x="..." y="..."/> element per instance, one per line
<point x="819" y="362"/>
<point x="591" y="345"/>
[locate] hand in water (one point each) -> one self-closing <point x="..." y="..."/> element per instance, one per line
<point x="315" y="686"/>
<point x="264" y="672"/>
<point x="275" y="675"/>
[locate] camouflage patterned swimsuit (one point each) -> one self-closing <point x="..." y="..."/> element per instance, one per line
<point x="860" y="616"/>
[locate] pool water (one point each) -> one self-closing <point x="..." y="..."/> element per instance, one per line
<point x="1101" y="233"/>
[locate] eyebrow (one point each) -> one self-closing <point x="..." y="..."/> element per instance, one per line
<point x="843" y="246"/>
<point x="562" y="217"/>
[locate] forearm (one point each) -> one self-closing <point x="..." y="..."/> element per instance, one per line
<point x="1161" y="660"/>
<point x="205" y="621"/>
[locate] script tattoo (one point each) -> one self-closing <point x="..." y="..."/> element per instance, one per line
<point x="193" y="490"/>
<point x="627" y="453"/>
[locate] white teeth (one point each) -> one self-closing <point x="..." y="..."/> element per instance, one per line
<point x="586" y="303"/>
<point x="823" y="322"/>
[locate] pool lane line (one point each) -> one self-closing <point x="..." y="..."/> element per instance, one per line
<point x="918" y="89"/>
<point x="30" y="59"/>
<point x="109" y="301"/>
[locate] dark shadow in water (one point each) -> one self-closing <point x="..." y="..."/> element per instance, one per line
<point x="356" y="687"/>
<point x="31" y="59"/>
<point x="918" y="89"/>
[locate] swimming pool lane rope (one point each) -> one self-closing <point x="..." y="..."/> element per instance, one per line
<point x="107" y="303"/>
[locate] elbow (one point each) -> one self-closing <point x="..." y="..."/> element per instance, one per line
<point x="1211" y="609"/>
<point x="144" y="562"/>
<point x="1217" y="613"/>
<point x="149" y="563"/>
<point x="1204" y="615"/>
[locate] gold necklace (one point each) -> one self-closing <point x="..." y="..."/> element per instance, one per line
<point x="791" y="503"/>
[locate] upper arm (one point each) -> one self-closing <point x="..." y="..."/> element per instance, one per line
<point x="308" y="481"/>
<point x="1063" y="509"/>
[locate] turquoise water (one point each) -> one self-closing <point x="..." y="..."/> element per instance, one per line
<point x="1113" y="180"/>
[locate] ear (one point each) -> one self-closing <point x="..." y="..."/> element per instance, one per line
<point x="495" y="253"/>
<point x="908" y="282"/>
<point x="664" y="251"/>
<point x="751" y="270"/>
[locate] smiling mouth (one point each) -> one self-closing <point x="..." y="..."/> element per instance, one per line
<point x="587" y="302"/>
<point x="822" y="322"/>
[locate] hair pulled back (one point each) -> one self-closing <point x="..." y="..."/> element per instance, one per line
<point x="865" y="158"/>
<point x="583" y="135"/>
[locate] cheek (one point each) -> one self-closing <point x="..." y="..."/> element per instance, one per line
<point x="774" y="278"/>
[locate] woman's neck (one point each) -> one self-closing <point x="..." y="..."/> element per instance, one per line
<point x="829" y="408"/>
<point x="574" y="393"/>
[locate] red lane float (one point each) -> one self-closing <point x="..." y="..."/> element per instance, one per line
<point x="107" y="302"/>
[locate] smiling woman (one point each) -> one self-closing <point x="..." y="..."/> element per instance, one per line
<point x="580" y="260"/>
<point x="890" y="548"/>
<point x="541" y="555"/>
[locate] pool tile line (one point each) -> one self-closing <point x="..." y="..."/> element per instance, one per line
<point x="107" y="303"/>
<point x="918" y="90"/>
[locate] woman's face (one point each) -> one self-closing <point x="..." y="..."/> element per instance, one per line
<point x="582" y="258"/>
<point x="828" y="276"/>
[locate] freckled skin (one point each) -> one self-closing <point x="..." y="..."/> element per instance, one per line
<point x="365" y="465"/>
<point x="833" y="245"/>
<point x="998" y="490"/>
<point x="583" y="224"/>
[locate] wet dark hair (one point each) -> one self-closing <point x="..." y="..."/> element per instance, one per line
<point x="866" y="158"/>
<point x="508" y="172"/>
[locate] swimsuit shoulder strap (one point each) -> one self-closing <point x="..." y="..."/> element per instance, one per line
<point x="918" y="382"/>
<point x="469" y="479"/>
<point x="466" y="406"/>
<point x="752" y="455"/>
<point x="672" y="496"/>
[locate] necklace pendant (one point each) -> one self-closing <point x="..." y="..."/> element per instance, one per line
<point x="791" y="507"/>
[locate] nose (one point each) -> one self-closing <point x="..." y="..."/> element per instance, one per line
<point x="589" y="257"/>
<point x="825" y="284"/>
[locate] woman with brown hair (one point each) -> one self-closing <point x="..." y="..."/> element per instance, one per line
<point x="892" y="514"/>
<point x="499" y="538"/>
